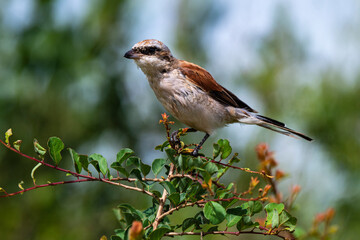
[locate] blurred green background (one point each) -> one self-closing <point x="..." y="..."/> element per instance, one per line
<point x="62" y="74"/>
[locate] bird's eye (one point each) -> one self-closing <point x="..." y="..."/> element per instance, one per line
<point x="152" y="50"/>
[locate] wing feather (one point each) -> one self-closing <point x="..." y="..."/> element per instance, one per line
<point x="203" y="79"/>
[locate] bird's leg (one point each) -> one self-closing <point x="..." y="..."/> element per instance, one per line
<point x="174" y="137"/>
<point x="195" y="153"/>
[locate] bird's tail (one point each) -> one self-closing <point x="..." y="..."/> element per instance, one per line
<point x="278" y="127"/>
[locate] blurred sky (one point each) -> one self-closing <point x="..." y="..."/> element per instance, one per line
<point x="328" y="28"/>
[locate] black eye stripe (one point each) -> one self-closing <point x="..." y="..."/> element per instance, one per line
<point x="149" y="50"/>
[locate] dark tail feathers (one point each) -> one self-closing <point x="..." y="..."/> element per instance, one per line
<point x="276" y="126"/>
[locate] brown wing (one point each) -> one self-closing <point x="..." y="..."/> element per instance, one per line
<point x="207" y="83"/>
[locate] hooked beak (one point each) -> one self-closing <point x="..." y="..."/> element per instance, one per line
<point x="132" y="55"/>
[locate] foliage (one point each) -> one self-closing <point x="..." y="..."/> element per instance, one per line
<point x="186" y="182"/>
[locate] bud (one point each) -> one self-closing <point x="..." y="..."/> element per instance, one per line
<point x="295" y="189"/>
<point x="254" y="181"/>
<point x="279" y="174"/>
<point x="261" y="150"/>
<point x="136" y="231"/>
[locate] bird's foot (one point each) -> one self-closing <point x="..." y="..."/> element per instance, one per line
<point x="175" y="140"/>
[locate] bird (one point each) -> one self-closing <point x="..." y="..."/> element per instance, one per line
<point x="191" y="95"/>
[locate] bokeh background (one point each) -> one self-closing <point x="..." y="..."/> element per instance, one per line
<point x="62" y="74"/>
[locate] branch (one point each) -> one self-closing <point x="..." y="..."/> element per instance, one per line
<point x="224" y="233"/>
<point x="45" y="185"/>
<point x="163" y="199"/>
<point x="262" y="173"/>
<point x="86" y="177"/>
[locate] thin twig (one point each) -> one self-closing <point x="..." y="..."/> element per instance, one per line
<point x="162" y="200"/>
<point x="221" y="233"/>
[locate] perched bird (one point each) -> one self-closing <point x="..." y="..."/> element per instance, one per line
<point x="191" y="94"/>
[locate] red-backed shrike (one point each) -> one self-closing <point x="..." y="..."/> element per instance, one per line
<point x="192" y="95"/>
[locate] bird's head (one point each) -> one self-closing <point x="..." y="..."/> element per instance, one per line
<point x="151" y="55"/>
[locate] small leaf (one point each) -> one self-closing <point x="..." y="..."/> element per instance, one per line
<point x="174" y="198"/>
<point x="287" y="220"/>
<point x="216" y="150"/>
<point x="255" y="207"/>
<point x="136" y="173"/>
<point x="55" y="147"/>
<point x="84" y="160"/>
<point x="8" y="134"/>
<point x="145" y="169"/>
<point x="213" y="229"/>
<point x="273" y="210"/>
<point x="124" y="154"/>
<point x="133" y="161"/>
<point x="171" y="154"/>
<point x="102" y="163"/>
<point x="157" y="165"/>
<point x="226" y="149"/>
<point x="118" y="167"/>
<point x="76" y="160"/>
<point x="38" y="148"/>
<point x="17" y="144"/>
<point x="168" y="186"/>
<point x="211" y="168"/>
<point x="33" y="172"/>
<point x="188" y="222"/>
<point x="127" y="207"/>
<point x="158" y="233"/>
<point x="214" y="212"/>
<point x="245" y="223"/>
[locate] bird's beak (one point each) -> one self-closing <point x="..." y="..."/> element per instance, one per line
<point x="132" y="54"/>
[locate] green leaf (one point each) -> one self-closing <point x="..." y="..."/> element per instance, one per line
<point x="118" y="167"/>
<point x="188" y="222"/>
<point x="38" y="148"/>
<point x="55" y="147"/>
<point x="158" y="233"/>
<point x="234" y="215"/>
<point x="145" y="169"/>
<point x="138" y="215"/>
<point x="84" y="160"/>
<point x="181" y="162"/>
<point x="211" y="168"/>
<point x="226" y="149"/>
<point x="114" y="237"/>
<point x="8" y="134"/>
<point x="214" y="212"/>
<point x="171" y="154"/>
<point x="174" y="198"/>
<point x="33" y="172"/>
<point x="101" y="161"/>
<point x="17" y="144"/>
<point x="124" y="154"/>
<point x="287" y="220"/>
<point x="232" y="220"/>
<point x="157" y="165"/>
<point x="275" y="219"/>
<point x="216" y="150"/>
<point x="254" y="207"/>
<point x="162" y="146"/>
<point x="136" y="173"/>
<point x="76" y="159"/>
<point x="213" y="229"/>
<point x="245" y="222"/>
<point x="169" y="187"/>
<point x="273" y="211"/>
<point x="133" y="161"/>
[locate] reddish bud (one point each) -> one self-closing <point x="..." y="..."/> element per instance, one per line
<point x="279" y="174"/>
<point x="136" y="231"/>
<point x="261" y="150"/>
